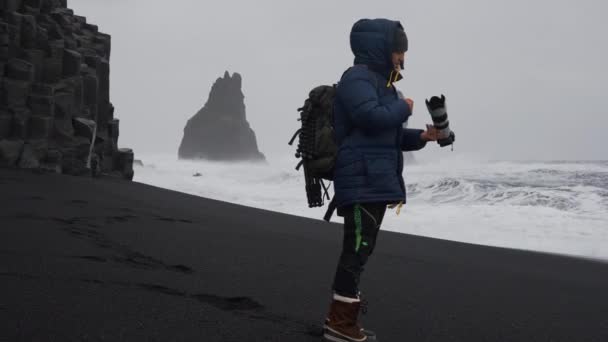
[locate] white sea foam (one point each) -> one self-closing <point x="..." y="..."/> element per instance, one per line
<point x="559" y="207"/>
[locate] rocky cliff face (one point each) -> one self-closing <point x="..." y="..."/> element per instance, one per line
<point x="220" y="131"/>
<point x="55" y="109"/>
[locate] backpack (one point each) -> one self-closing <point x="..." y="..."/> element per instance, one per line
<point x="317" y="147"/>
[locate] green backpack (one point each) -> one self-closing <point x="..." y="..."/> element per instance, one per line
<point x="317" y="147"/>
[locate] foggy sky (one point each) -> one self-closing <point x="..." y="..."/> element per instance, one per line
<point x="523" y="79"/>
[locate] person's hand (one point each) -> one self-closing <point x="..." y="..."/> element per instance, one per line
<point x="431" y="133"/>
<point x="410" y="103"/>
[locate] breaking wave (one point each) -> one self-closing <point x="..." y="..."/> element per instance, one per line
<point x="559" y="207"/>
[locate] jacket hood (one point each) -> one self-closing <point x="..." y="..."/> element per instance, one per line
<point x="371" y="41"/>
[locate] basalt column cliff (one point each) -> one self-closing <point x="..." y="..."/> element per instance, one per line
<point x="55" y="109"/>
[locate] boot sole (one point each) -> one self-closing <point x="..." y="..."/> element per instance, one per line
<point x="370" y="334"/>
<point x="334" y="336"/>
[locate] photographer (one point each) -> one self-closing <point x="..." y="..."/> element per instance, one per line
<point x="368" y="120"/>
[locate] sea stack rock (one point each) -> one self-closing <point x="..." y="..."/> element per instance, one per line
<point x="220" y="131"/>
<point x="55" y="109"/>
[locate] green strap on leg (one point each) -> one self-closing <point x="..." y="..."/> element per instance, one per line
<point x="358" y="227"/>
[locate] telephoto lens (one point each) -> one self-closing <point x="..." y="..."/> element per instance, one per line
<point x="439" y="113"/>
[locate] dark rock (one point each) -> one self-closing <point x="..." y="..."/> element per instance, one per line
<point x="91" y="28"/>
<point x="42" y="105"/>
<point x="103" y="99"/>
<point x="43" y="89"/>
<point x="198" y="174"/>
<point x="14" y="93"/>
<point x="33" y="3"/>
<point x="14" y="18"/>
<point x="71" y="43"/>
<point x="105" y="41"/>
<point x="14" y="47"/>
<point x="73" y="163"/>
<point x="74" y="85"/>
<point x="90" y="87"/>
<point x="63" y="4"/>
<point x="21" y="123"/>
<point x="64" y="105"/>
<point x="56" y="47"/>
<point x="5" y="53"/>
<point x="31" y="10"/>
<point x="28" y="32"/>
<point x="29" y="159"/>
<point x="52" y="161"/>
<point x="86" y="113"/>
<point x="4" y="34"/>
<point x="84" y="127"/>
<point x="36" y="58"/>
<point x="104" y="144"/>
<point x="110" y="111"/>
<point x="95" y="165"/>
<point x="220" y="131"/>
<point x="21" y="70"/>
<point x="125" y="163"/>
<point x="64" y="130"/>
<point x="62" y="20"/>
<point x="90" y="58"/>
<point x="113" y="131"/>
<point x="72" y="62"/>
<point x="53" y="156"/>
<point x="107" y="162"/>
<point x="35" y="152"/>
<point x="86" y="42"/>
<point x="42" y="38"/>
<point x="47" y="6"/>
<point x="10" y="151"/>
<point x="55" y="66"/>
<point x="6" y="123"/>
<point x="52" y="70"/>
<point x="11" y="5"/>
<point x="55" y="32"/>
<point x="41" y="127"/>
<point x="44" y="20"/>
<point x="80" y="19"/>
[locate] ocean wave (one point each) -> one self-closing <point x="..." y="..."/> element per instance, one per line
<point x="569" y="193"/>
<point x="556" y="206"/>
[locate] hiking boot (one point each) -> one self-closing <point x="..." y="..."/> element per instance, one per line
<point x="342" y="322"/>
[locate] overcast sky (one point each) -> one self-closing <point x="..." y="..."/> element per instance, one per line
<point x="523" y="79"/>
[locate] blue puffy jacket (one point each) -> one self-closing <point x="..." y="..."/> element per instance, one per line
<point x="368" y="121"/>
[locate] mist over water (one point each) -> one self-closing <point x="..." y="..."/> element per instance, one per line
<point x="559" y="207"/>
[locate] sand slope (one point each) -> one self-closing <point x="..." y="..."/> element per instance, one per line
<point x="110" y="260"/>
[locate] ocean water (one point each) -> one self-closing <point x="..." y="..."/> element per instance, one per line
<point x="557" y="207"/>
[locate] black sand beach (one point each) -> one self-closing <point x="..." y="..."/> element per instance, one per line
<point x="110" y="260"/>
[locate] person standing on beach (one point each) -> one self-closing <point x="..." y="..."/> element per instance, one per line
<point x="369" y="114"/>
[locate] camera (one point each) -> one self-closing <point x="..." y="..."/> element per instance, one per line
<point x="439" y="114"/>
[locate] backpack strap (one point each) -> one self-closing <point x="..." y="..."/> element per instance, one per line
<point x="331" y="207"/>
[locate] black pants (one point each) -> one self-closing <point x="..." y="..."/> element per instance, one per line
<point x="361" y="225"/>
